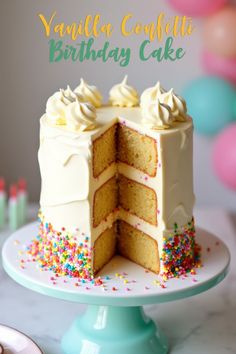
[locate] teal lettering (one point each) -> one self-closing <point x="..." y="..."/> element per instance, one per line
<point x="160" y="54"/>
<point x="141" y="50"/>
<point x="84" y="51"/>
<point x="125" y="57"/>
<point x="180" y="53"/>
<point x="168" y="51"/>
<point x="157" y="53"/>
<point x="90" y="53"/>
<point x="55" y="51"/>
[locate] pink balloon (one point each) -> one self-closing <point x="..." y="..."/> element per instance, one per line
<point x="224" y="156"/>
<point x="220" y="32"/>
<point x="197" y="7"/>
<point x="223" y="67"/>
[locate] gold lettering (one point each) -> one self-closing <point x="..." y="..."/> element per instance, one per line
<point x="175" y="26"/>
<point x="107" y="29"/>
<point x="95" y="25"/>
<point x="190" y="27"/>
<point x="123" y="25"/>
<point x="59" y="29"/>
<point x="167" y="28"/>
<point x="160" y="26"/>
<point x="138" y="28"/>
<point x="87" y="30"/>
<point x="47" y="25"/>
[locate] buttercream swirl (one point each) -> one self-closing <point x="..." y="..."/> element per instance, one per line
<point x="177" y="105"/>
<point x="80" y="116"/>
<point x="124" y="95"/>
<point x="157" y="115"/>
<point x="151" y="94"/>
<point x="56" y="109"/>
<point x="69" y="96"/>
<point x="89" y="93"/>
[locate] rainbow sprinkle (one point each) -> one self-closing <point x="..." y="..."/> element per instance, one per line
<point x="59" y="252"/>
<point x="180" y="252"/>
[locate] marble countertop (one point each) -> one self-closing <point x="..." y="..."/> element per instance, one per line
<point x="204" y="324"/>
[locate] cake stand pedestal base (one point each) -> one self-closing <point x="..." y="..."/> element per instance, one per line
<point x="114" y="330"/>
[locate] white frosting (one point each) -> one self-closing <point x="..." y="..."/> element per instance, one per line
<point x="69" y="96"/>
<point x="68" y="108"/>
<point x="80" y="116"/>
<point x="62" y="183"/>
<point x="59" y="148"/>
<point x="68" y="185"/>
<point x="124" y="95"/>
<point x="56" y="109"/>
<point x="176" y="103"/>
<point x="89" y="93"/>
<point x="157" y="115"/>
<point x="151" y="94"/>
<point x="64" y="164"/>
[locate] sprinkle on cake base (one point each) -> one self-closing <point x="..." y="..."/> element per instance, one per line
<point x="59" y="252"/>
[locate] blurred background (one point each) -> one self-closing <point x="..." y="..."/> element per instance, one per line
<point x="28" y="79"/>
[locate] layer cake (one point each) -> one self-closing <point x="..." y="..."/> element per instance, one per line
<point x="116" y="178"/>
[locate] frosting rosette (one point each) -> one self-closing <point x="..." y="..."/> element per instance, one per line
<point x="68" y="108"/>
<point x="56" y="109"/>
<point x="177" y="105"/>
<point x="69" y="96"/>
<point x="56" y="105"/>
<point x="89" y="93"/>
<point x="151" y="94"/>
<point x="157" y="115"/>
<point x="124" y="95"/>
<point x="80" y="116"/>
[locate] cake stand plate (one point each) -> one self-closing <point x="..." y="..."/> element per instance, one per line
<point x="115" y="322"/>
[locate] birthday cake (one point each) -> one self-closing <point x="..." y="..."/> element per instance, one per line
<point x="117" y="178"/>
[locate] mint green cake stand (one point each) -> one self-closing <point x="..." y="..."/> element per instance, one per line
<point x="114" y="322"/>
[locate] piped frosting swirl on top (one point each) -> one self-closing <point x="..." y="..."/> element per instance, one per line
<point x="76" y="109"/>
<point x="69" y="96"/>
<point x="56" y="109"/>
<point x="151" y="94"/>
<point x="89" y="93"/>
<point x="81" y="116"/>
<point x="68" y="108"/>
<point x="177" y="105"/>
<point x="124" y="95"/>
<point x="157" y="115"/>
<point x="156" y="112"/>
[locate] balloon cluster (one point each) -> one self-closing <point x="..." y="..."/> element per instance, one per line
<point x="211" y="99"/>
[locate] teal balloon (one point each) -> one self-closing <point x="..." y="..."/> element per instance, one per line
<point x="235" y="107"/>
<point x="211" y="103"/>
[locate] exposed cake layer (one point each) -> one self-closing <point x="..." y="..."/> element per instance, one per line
<point x="105" y="201"/>
<point x="104" y="150"/>
<point x="136" y="150"/>
<point x="139" y="224"/>
<point x="138" y="199"/>
<point x="104" y="248"/>
<point x="138" y="247"/>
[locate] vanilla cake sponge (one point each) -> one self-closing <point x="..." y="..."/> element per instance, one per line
<point x="116" y="178"/>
